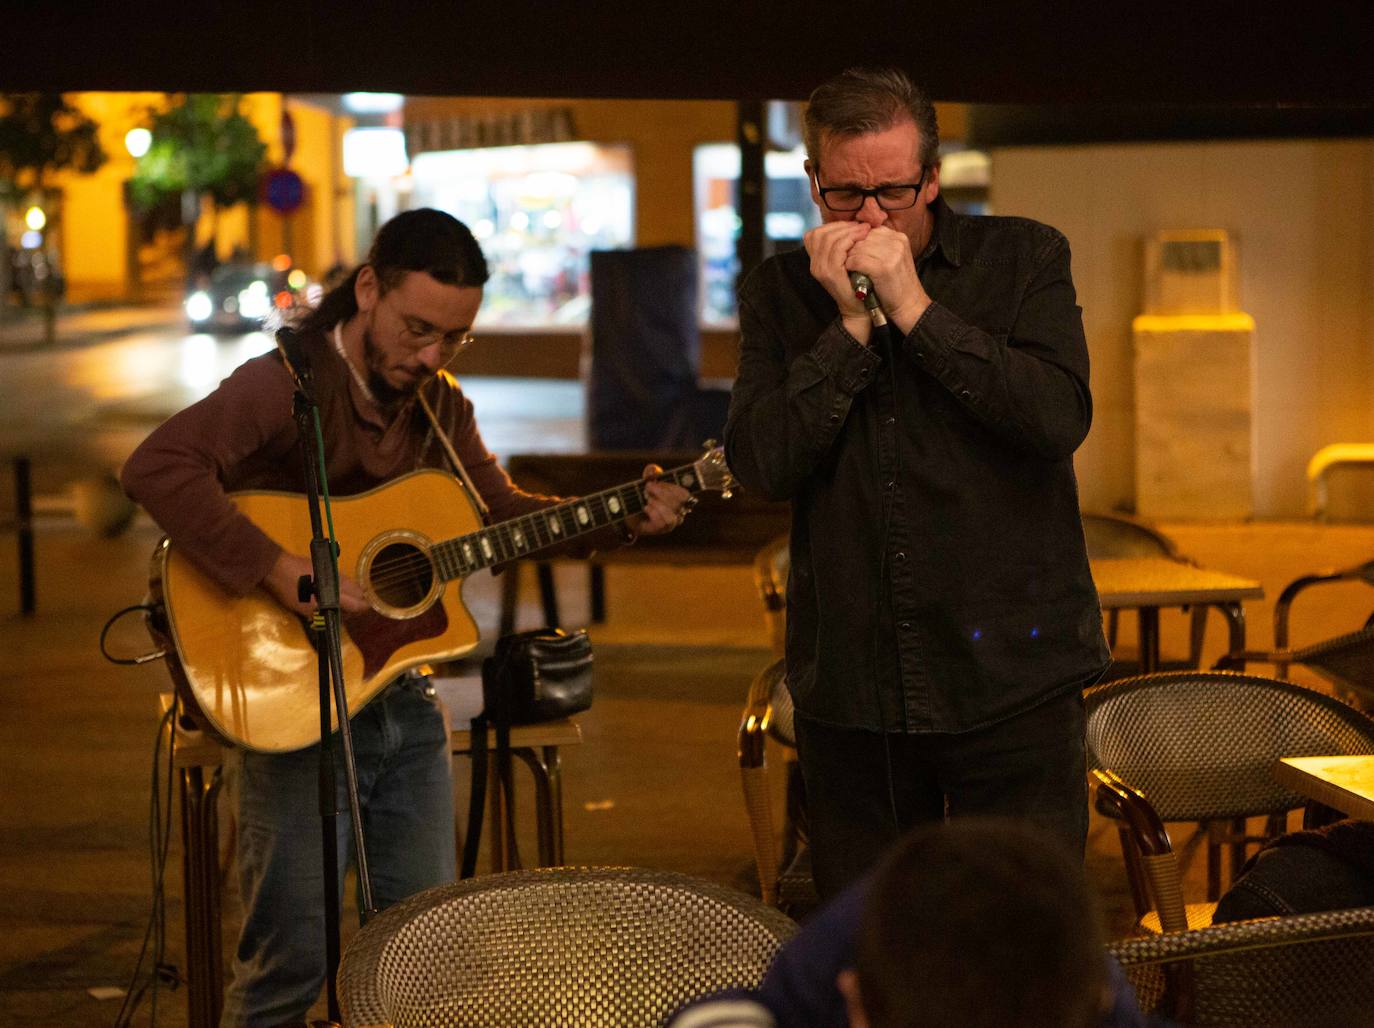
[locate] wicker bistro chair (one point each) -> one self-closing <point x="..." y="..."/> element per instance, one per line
<point x="1285" y="972"/>
<point x="768" y="717"/>
<point x="771" y="566"/>
<point x="1347" y="661"/>
<point x="1201" y="746"/>
<point x="1114" y="535"/>
<point x="555" y="947"/>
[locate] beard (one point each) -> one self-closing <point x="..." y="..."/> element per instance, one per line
<point x="388" y="396"/>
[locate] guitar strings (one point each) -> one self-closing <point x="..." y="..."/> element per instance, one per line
<point x="412" y="568"/>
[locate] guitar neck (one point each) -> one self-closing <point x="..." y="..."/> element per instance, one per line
<point x="551" y="526"/>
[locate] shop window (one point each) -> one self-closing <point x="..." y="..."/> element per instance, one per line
<point x="788" y="216"/>
<point x="538" y="212"/>
<point x="790" y="213"/>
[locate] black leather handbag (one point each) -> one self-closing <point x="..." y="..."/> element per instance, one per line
<point x="530" y="677"/>
<point x="536" y="676"/>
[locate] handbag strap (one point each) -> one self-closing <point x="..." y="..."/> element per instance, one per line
<point x="496" y="715"/>
<point x="477" y="796"/>
<point x="477" y="792"/>
<point x="452" y="455"/>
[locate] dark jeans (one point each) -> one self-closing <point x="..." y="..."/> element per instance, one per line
<point x="1284" y="880"/>
<point x="402" y="748"/>
<point x="861" y="795"/>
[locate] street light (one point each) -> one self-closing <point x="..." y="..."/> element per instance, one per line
<point x="137" y="141"/>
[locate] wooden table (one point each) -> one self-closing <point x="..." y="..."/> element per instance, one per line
<point x="1148" y="583"/>
<point x="1343" y="783"/>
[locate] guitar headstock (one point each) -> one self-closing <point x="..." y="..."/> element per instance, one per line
<point x="713" y="472"/>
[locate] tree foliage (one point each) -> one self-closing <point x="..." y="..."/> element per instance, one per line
<point x="41" y="133"/>
<point x="202" y="143"/>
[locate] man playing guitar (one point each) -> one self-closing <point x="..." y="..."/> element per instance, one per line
<point x="376" y="344"/>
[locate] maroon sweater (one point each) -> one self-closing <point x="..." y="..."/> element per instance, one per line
<point x="243" y="436"/>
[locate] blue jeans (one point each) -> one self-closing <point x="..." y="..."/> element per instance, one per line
<point x="406" y="796"/>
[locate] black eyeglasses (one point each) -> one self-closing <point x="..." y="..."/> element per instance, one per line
<point x="847" y="199"/>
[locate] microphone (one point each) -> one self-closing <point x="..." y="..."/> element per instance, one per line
<point x="863" y="289"/>
<point x="293" y="353"/>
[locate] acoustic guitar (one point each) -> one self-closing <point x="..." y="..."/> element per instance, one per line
<point x="246" y="667"/>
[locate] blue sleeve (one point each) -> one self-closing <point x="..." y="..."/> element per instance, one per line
<point x="799" y="990"/>
<point x="800" y="987"/>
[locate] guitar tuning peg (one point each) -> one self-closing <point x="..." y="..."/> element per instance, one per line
<point x="709" y="445"/>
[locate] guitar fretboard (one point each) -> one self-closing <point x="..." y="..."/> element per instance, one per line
<point x="519" y="537"/>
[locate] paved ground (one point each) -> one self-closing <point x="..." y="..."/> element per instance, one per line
<point x="654" y="783"/>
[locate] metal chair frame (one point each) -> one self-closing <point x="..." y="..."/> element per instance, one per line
<point x="771" y="566"/>
<point x="1197" y="786"/>
<point x="1314" y="656"/>
<point x="768" y="717"/>
<point x="1282" y="971"/>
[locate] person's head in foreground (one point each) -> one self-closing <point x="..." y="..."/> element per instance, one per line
<point x="977" y="923"/>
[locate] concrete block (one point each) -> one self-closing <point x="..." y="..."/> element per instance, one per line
<point x="1194" y="389"/>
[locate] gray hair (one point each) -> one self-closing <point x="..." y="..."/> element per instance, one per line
<point x="862" y="100"/>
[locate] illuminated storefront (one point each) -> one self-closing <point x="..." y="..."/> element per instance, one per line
<point x="538" y="212"/>
<point x="790" y="213"/>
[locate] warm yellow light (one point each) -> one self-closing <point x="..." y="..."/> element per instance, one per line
<point x="296" y="280"/>
<point x="1234" y="322"/>
<point x="35" y="218"/>
<point x="281" y="262"/>
<point x="137" y="141"/>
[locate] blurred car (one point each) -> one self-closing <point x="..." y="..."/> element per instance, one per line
<point x="35" y="277"/>
<point x="239" y="297"/>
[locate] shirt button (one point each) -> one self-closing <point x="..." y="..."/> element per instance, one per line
<point x="834" y="419"/>
<point x="920" y="355"/>
<point x="965" y="393"/>
<point x="891" y="486"/>
<point x="899" y="555"/>
<point x="889" y="420"/>
<point x="863" y="372"/>
<point x="905" y="626"/>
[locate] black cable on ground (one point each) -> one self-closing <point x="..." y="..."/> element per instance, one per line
<point x="159" y="840"/>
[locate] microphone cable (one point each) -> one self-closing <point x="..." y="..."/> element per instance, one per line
<point x="888" y="500"/>
<point x="159" y="837"/>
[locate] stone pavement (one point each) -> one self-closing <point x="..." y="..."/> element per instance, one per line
<point x="655" y="781"/>
<point x="24" y="330"/>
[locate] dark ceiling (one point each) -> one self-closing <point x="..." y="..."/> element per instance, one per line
<point x="1033" y="52"/>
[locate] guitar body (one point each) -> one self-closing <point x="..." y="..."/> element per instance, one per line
<point x="248" y="667"/>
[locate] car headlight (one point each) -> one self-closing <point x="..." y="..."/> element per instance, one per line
<point x="199" y="306"/>
<point x="254" y="300"/>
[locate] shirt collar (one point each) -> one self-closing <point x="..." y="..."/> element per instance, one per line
<point x="945" y="236"/>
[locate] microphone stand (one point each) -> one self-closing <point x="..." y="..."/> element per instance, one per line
<point x="326" y="629"/>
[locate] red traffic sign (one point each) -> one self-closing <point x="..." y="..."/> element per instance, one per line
<point x="283" y="190"/>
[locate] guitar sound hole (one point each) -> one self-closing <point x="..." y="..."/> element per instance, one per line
<point x="401" y="575"/>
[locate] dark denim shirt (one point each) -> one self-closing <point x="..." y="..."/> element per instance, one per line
<point x="939" y="579"/>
